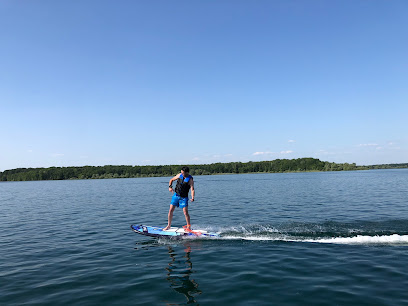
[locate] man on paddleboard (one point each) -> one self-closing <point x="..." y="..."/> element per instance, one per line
<point x="185" y="182"/>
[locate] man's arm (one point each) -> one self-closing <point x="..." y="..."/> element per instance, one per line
<point x="171" y="182"/>
<point x="191" y="182"/>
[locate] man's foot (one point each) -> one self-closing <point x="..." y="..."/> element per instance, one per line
<point x="166" y="228"/>
<point x="187" y="228"/>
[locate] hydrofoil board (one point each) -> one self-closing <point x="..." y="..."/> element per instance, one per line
<point x="172" y="232"/>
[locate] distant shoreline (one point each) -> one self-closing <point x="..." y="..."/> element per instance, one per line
<point x="110" y="171"/>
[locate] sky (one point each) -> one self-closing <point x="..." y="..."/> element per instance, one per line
<point x="95" y="82"/>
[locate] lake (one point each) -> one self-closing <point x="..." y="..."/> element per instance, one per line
<point x="322" y="238"/>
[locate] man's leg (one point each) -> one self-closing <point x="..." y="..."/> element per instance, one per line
<point x="170" y="216"/>
<point x="185" y="210"/>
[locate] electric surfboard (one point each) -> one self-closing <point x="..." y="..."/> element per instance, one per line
<point x="172" y="232"/>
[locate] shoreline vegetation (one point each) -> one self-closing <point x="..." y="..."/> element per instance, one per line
<point x="110" y="171"/>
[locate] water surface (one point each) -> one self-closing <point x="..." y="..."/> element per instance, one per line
<point x="298" y="238"/>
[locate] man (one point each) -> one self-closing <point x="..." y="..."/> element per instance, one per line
<point x="185" y="182"/>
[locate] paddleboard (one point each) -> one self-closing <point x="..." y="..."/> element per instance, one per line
<point x="172" y="232"/>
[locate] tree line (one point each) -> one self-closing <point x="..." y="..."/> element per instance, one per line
<point x="388" y="166"/>
<point x="110" y="171"/>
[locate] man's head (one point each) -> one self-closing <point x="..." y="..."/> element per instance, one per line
<point x="185" y="170"/>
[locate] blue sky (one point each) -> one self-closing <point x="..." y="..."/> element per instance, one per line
<point x="184" y="82"/>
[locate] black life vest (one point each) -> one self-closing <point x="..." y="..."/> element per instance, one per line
<point x="183" y="186"/>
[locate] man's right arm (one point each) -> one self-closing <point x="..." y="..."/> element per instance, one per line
<point x="172" y="180"/>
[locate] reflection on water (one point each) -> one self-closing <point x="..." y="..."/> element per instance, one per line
<point x="180" y="270"/>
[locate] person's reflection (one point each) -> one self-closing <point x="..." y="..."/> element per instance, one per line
<point x="179" y="272"/>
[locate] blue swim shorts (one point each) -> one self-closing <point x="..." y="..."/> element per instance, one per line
<point x="178" y="201"/>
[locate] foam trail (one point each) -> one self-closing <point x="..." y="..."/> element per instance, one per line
<point x="391" y="239"/>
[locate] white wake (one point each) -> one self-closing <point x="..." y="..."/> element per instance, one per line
<point x="387" y="239"/>
<point x="390" y="239"/>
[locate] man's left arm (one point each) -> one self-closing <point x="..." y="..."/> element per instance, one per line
<point x="192" y="190"/>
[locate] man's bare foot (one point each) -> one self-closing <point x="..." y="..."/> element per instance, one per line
<point x="166" y="228"/>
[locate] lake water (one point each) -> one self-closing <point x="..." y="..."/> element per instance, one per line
<point x="328" y="238"/>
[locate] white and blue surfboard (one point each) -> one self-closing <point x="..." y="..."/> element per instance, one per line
<point x="172" y="232"/>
